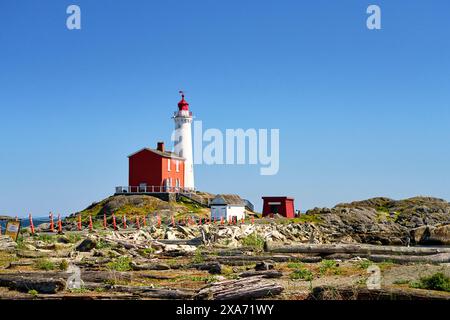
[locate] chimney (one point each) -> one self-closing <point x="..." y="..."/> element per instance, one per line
<point x="160" y="146"/>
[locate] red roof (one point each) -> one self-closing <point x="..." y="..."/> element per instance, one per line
<point x="183" y="104"/>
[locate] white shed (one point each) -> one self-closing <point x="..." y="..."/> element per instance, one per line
<point x="227" y="206"/>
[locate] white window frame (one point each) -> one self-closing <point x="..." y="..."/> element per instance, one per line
<point x="168" y="164"/>
<point x="177" y="165"/>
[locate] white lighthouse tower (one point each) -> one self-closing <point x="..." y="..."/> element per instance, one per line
<point x="182" y="140"/>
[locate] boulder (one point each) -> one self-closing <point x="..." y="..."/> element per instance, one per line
<point x="86" y="245"/>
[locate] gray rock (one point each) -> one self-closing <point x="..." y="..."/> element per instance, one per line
<point x="86" y="245"/>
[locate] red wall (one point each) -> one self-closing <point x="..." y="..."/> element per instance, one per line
<point x="144" y="167"/>
<point x="286" y="207"/>
<point x="151" y="168"/>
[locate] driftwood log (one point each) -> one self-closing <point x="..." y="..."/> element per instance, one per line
<point x="263" y="274"/>
<point x="362" y="293"/>
<point x="239" y="260"/>
<point x="25" y="283"/>
<point x="242" y="289"/>
<point x="151" y="292"/>
<point x="150" y="266"/>
<point x="435" y="258"/>
<point x="354" y="249"/>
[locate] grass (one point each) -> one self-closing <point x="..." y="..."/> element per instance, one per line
<point x="295" y="265"/>
<point x="34" y="293"/>
<point x="302" y="274"/>
<point x="385" y="265"/>
<point x="402" y="281"/>
<point x="73" y="237"/>
<point x="45" y="264"/>
<point x="198" y="257"/>
<point x="438" y="281"/>
<point x="364" y="264"/>
<point x="205" y="279"/>
<point x="120" y="264"/>
<point x="46" y="238"/>
<point x="63" y="265"/>
<point x="328" y="266"/>
<point x="101" y="244"/>
<point x="254" y="241"/>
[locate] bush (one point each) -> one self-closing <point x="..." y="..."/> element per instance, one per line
<point x="327" y="266"/>
<point x="253" y="240"/>
<point x="120" y="264"/>
<point x="295" y="265"/>
<point x="364" y="264"/>
<point x="303" y="274"/>
<point x="437" y="281"/>
<point x="63" y="265"/>
<point x="45" y="264"/>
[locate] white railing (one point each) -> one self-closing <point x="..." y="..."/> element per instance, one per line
<point x="151" y="189"/>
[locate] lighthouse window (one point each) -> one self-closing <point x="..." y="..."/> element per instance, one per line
<point x="168" y="164"/>
<point x="177" y="165"/>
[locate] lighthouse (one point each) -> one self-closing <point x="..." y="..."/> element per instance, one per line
<point x="182" y="140"/>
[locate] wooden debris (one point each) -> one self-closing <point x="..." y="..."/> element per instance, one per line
<point x="242" y="289"/>
<point x="354" y="249"/>
<point x="25" y="284"/>
<point x="264" y="274"/>
<point x="362" y="293"/>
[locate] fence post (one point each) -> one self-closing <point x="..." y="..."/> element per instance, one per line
<point x="52" y="226"/>
<point x="31" y="225"/>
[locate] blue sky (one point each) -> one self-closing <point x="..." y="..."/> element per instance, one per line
<point x="361" y="113"/>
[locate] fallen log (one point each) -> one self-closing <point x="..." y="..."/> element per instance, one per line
<point x="362" y="293"/>
<point x="353" y="249"/>
<point x="240" y="260"/>
<point x="211" y="267"/>
<point x="264" y="274"/>
<point x="25" y="284"/>
<point x="435" y="258"/>
<point x="150" y="266"/>
<point x="86" y="276"/>
<point x="151" y="292"/>
<point x="242" y="289"/>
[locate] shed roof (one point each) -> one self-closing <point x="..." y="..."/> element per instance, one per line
<point x="165" y="154"/>
<point x="228" y="199"/>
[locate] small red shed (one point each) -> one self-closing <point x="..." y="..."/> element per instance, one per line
<point x="283" y="206"/>
<point x="155" y="170"/>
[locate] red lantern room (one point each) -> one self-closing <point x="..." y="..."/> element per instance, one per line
<point x="183" y="104"/>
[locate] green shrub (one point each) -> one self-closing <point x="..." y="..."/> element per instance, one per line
<point x="295" y="265"/>
<point x="120" y="264"/>
<point x="198" y="257"/>
<point x="364" y="264"/>
<point x="34" y="293"/>
<point x="437" y="281"/>
<point x="253" y="240"/>
<point x="303" y="274"/>
<point x="45" y="264"/>
<point x="63" y="265"/>
<point x="327" y="266"/>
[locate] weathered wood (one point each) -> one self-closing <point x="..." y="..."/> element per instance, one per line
<point x="242" y="289"/>
<point x="212" y="267"/>
<point x="150" y="292"/>
<point x="86" y="276"/>
<point x="264" y="274"/>
<point x="150" y="266"/>
<point x="362" y="293"/>
<point x="25" y="284"/>
<point x="42" y="254"/>
<point x="435" y="258"/>
<point x="353" y="249"/>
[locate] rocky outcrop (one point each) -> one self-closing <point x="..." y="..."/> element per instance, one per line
<point x="386" y="221"/>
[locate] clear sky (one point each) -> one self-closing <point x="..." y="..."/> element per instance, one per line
<point x="361" y="113"/>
